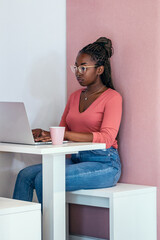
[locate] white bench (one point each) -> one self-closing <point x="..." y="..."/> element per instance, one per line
<point x="19" y="220"/>
<point x="132" y="210"/>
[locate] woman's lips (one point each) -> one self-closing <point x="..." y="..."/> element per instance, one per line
<point x="80" y="79"/>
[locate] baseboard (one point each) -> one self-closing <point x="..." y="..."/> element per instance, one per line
<point x="76" y="237"/>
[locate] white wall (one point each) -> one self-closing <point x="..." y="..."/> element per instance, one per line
<point x="32" y="69"/>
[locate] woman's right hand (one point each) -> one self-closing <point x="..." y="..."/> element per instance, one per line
<point x="41" y="135"/>
<point x="36" y="132"/>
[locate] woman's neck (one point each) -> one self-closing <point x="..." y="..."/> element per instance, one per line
<point x="95" y="88"/>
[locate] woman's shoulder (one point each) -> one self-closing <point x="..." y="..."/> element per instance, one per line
<point x="112" y="93"/>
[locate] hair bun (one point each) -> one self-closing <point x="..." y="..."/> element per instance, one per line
<point x="106" y="44"/>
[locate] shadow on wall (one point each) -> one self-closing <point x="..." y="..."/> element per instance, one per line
<point x="10" y="165"/>
<point x="10" y="168"/>
<point x="5" y="165"/>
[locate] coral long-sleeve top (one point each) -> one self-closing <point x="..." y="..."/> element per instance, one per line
<point x="102" y="118"/>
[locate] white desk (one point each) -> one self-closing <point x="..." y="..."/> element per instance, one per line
<point x="53" y="160"/>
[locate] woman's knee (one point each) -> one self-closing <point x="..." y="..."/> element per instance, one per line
<point x="28" y="174"/>
<point x="38" y="180"/>
<point x="38" y="186"/>
<point x="23" y="174"/>
<point x="30" y="171"/>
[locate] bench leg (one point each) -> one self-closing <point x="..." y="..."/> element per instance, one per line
<point x="133" y="217"/>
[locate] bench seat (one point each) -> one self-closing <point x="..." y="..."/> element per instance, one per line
<point x="19" y="220"/>
<point x="132" y="210"/>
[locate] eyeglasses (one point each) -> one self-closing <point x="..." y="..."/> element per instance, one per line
<point x="81" y="69"/>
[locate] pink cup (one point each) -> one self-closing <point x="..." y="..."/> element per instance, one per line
<point x="57" y="135"/>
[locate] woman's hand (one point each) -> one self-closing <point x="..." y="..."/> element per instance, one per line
<point x="41" y="135"/>
<point x="36" y="132"/>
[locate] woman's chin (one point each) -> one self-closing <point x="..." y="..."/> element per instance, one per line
<point x="81" y="83"/>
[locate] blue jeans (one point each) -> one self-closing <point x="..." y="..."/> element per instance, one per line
<point x="85" y="170"/>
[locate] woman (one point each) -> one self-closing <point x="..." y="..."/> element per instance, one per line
<point x="92" y="114"/>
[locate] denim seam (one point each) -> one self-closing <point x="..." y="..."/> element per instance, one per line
<point x="115" y="181"/>
<point x="96" y="171"/>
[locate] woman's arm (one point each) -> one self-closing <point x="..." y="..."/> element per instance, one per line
<point x="111" y="122"/>
<point x="78" y="137"/>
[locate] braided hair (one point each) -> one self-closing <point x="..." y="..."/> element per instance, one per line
<point x="101" y="51"/>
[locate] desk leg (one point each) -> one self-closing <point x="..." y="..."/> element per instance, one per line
<point x="54" y="197"/>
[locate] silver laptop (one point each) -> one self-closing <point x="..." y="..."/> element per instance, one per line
<point x="14" y="124"/>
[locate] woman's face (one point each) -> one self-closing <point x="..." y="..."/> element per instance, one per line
<point x="90" y="76"/>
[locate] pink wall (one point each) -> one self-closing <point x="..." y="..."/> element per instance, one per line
<point x="134" y="30"/>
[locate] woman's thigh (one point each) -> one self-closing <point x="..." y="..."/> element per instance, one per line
<point x="109" y="156"/>
<point x="90" y="175"/>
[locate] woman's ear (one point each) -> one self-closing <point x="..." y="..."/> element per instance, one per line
<point x="100" y="70"/>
